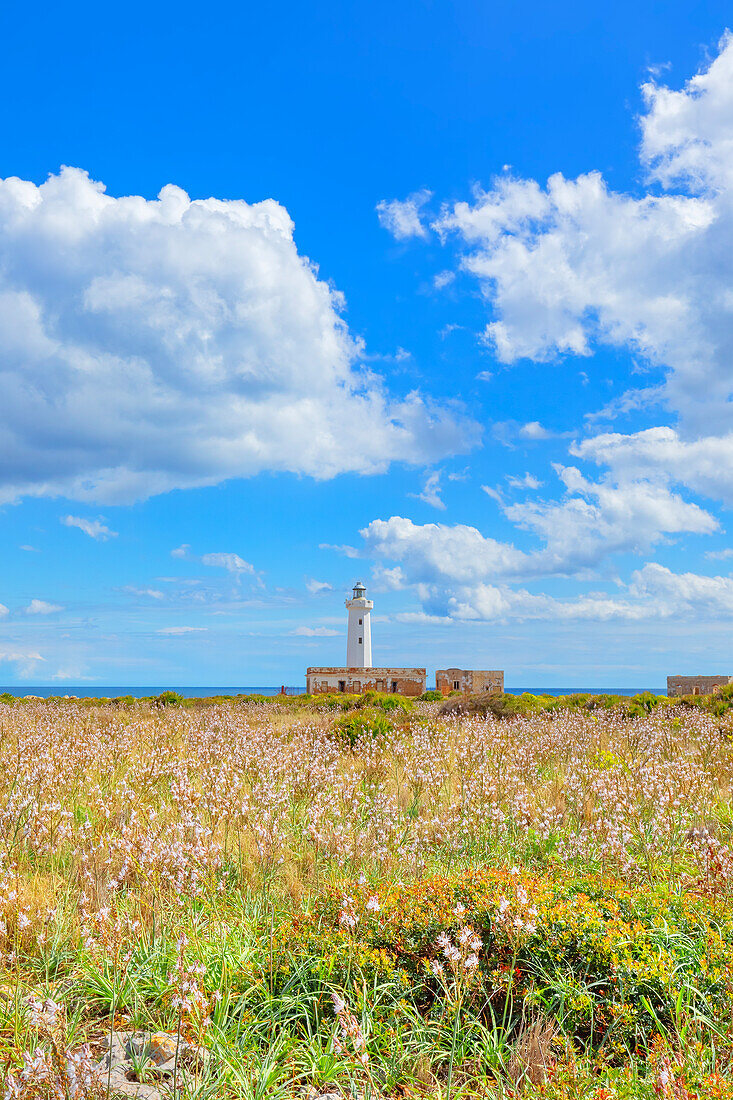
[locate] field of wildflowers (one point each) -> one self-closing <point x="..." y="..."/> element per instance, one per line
<point x="386" y="901"/>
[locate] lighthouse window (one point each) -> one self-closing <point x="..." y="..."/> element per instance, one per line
<point x="359" y="641"/>
<point x="359" y="622"/>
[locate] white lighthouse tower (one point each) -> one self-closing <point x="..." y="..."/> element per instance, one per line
<point x="359" y="636"/>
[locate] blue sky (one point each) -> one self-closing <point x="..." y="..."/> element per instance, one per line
<point x="435" y="295"/>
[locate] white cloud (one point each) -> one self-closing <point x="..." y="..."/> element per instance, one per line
<point x="389" y="580"/>
<point x="431" y="491"/>
<point x="181" y="551"/>
<point x="655" y="592"/>
<point x="153" y="593"/>
<point x="704" y="465"/>
<point x="149" y="345"/>
<point x="347" y="551"/>
<point x="315" y="587"/>
<point x="25" y="661"/>
<point x="534" y="430"/>
<point x="443" y="279"/>
<point x="458" y="572"/>
<point x="315" y="632"/>
<point x="3" y="610"/>
<point x="578" y="532"/>
<point x="92" y="527"/>
<point x="598" y="519"/>
<point x="231" y="562"/>
<point x="30" y="549"/>
<point x="719" y="555"/>
<point x="495" y="494"/>
<point x="181" y="630"/>
<point x="401" y="218"/>
<point x="42" y="607"/>
<point x="574" y="264"/>
<point x="529" y="481"/>
<point x="434" y="551"/>
<point x="71" y="672"/>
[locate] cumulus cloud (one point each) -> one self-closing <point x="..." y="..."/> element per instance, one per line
<point x="594" y="520"/>
<point x="704" y="465"/>
<point x="3" y="610"/>
<point x="402" y="218"/>
<point x="42" y="607"/>
<point x="573" y="264"/>
<point x="598" y="519"/>
<point x="457" y="572"/>
<point x="95" y="528"/>
<point x="654" y="592"/>
<point x="434" y="551"/>
<point x="149" y="345"/>
<point x="534" y="430"/>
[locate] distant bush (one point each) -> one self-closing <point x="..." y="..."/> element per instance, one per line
<point x="385" y="702"/>
<point x="364" y="723"/>
<point x="640" y="705"/>
<point x="169" y="699"/>
<point x="6" y="697"/>
<point x="335" y="701"/>
<point x="432" y="696"/>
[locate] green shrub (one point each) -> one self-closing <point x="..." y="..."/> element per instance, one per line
<point x="432" y="696"/>
<point x="169" y="699"/>
<point x="385" y="702"/>
<point x="6" y="697"/>
<point x="362" y="723"/>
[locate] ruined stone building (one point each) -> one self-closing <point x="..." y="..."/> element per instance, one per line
<point x="696" y="685"/>
<point x="469" y="681"/>
<point x="353" y="681"/>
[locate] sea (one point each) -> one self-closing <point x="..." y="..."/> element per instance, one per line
<point x="113" y="691"/>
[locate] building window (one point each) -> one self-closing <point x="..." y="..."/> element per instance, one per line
<point x="356" y="687"/>
<point x="456" y="685"/>
<point x="359" y="622"/>
<point x="342" y="685"/>
<point x="394" y="687"/>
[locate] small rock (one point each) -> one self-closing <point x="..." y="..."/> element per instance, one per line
<point x="163" y="1047"/>
<point x="124" y="1051"/>
<point x="121" y="1085"/>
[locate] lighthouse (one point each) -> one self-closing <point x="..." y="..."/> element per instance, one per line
<point x="359" y="636"/>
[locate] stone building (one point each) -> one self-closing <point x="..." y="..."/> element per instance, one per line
<point x="398" y="681"/>
<point x="469" y="681"/>
<point x="696" y="685"/>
